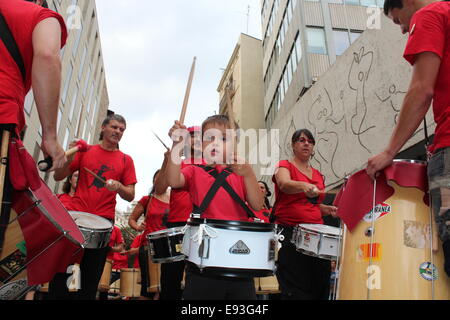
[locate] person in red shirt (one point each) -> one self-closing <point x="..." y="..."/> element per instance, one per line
<point x="180" y="210"/>
<point x="156" y="212"/>
<point x="428" y="51"/>
<point x="98" y="197"/>
<point x="39" y="34"/>
<point x="298" y="201"/>
<point x="218" y="148"/>
<point x="69" y="188"/>
<point x="264" y="213"/>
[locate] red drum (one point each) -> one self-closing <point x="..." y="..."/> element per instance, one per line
<point x="41" y="239"/>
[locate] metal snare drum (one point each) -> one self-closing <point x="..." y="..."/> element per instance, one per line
<point x="317" y="240"/>
<point x="166" y="245"/>
<point x="96" y="230"/>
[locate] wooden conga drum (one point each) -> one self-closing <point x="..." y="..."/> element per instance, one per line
<point x="103" y="285"/>
<point x="154" y="276"/>
<point x="129" y="286"/>
<point x="268" y="285"/>
<point x="397" y="261"/>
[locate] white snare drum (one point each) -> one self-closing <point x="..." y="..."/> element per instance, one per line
<point x="317" y="240"/>
<point x="96" y="230"/>
<point x="231" y="248"/>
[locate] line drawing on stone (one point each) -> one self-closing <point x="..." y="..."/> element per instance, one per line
<point x="357" y="78"/>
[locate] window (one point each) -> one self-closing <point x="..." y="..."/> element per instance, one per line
<point x="337" y="1"/>
<point x="352" y="2"/>
<point x="369" y="3"/>
<point x="380" y="3"/>
<point x="316" y="40"/>
<point x="72" y="105"/>
<point x="298" y="47"/>
<point x="341" y="41"/>
<point x="66" y="139"/>
<point x="67" y="83"/>
<point x="77" y="41"/>
<point x="28" y="103"/>
<point x="354" y="35"/>
<point x="88" y="76"/>
<point x="59" y="119"/>
<point x="83" y="59"/>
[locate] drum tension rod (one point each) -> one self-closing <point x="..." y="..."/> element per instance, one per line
<point x="35" y="204"/>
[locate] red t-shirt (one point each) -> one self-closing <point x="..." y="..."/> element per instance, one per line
<point x="116" y="238"/>
<point x="136" y="244"/>
<point x="144" y="201"/>
<point x="120" y="261"/>
<point x="222" y="207"/>
<point x="293" y="209"/>
<point x="430" y="32"/>
<point x="155" y="217"/>
<point x="180" y="201"/>
<point x="21" y="17"/>
<point x="65" y="199"/>
<point x="91" y="195"/>
<point x="262" y="214"/>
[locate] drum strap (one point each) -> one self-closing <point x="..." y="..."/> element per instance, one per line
<point x="221" y="182"/>
<point x="11" y="45"/>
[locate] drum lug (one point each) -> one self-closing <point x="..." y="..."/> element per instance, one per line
<point x="369" y="232"/>
<point x="203" y="249"/>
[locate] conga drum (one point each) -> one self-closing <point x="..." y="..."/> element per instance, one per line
<point x="154" y="276"/>
<point x="388" y="254"/>
<point x="268" y="285"/>
<point x="103" y="285"/>
<point x="129" y="286"/>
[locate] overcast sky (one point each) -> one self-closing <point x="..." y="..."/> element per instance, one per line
<point x="148" y="48"/>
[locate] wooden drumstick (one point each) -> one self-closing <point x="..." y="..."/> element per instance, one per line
<point x="47" y="163"/>
<point x="188" y="91"/>
<point x="3" y="163"/>
<point x="161" y="141"/>
<point x="96" y="176"/>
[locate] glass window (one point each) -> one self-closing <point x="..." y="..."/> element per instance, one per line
<point x="352" y="2"/>
<point x="66" y="139"/>
<point x="298" y="47"/>
<point x="72" y="105"/>
<point x="83" y="59"/>
<point x="380" y="3"/>
<point x="28" y="103"/>
<point x="341" y="41"/>
<point x="289" y="12"/>
<point x="77" y="41"/>
<point x="59" y="119"/>
<point x="88" y="76"/>
<point x="67" y="83"/>
<point x="337" y="1"/>
<point x="368" y="3"/>
<point x="354" y="35"/>
<point x="316" y="40"/>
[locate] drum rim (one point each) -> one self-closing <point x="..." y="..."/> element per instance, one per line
<point x="232" y="272"/>
<point x="232" y="224"/>
<point x="46" y="213"/>
<point x="87" y="213"/>
<point x="165" y="232"/>
<point x="410" y="161"/>
<point x="319" y="232"/>
<point x="177" y="258"/>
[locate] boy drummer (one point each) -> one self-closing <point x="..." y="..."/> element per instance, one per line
<point x="217" y="149"/>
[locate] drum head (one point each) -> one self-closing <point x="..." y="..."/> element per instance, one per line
<point x="89" y="220"/>
<point x="321" y="228"/>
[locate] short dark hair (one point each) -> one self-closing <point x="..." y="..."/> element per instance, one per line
<point x="391" y="4"/>
<point x="44" y="3"/>
<point x="306" y="132"/>
<point x="152" y="191"/>
<point x="110" y="118"/>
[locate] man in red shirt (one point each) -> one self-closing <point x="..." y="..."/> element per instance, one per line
<point x="428" y="51"/>
<point x="96" y="197"/>
<point x="30" y="57"/>
<point x="39" y="34"/>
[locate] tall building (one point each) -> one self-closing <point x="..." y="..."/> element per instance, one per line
<point x="301" y="40"/>
<point x="241" y="85"/>
<point x="84" y="95"/>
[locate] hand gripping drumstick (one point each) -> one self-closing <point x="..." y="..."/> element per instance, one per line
<point x="95" y="176"/>
<point x="188" y="90"/>
<point x="47" y="163"/>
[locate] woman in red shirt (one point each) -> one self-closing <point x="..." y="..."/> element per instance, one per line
<point x="298" y="200"/>
<point x="68" y="189"/>
<point x="156" y="210"/>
